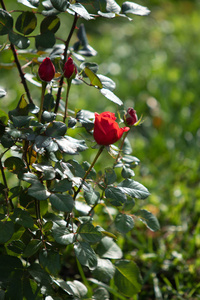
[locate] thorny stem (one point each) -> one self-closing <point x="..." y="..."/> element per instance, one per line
<point x="44" y="84"/>
<point x="18" y="65"/>
<point x="88" y="171"/>
<point x="120" y="148"/>
<point x="66" y="102"/>
<point x="6" y="187"/>
<point x="64" y="60"/>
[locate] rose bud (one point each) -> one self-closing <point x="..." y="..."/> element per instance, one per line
<point x="106" y="130"/>
<point x="46" y="70"/>
<point x="130" y="118"/>
<point x="70" y="69"/>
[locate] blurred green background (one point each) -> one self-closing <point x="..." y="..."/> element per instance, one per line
<point x="155" y="62"/>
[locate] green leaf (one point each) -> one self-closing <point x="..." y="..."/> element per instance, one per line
<point x="62" y="202"/>
<point x="26" y="22"/>
<point x="7" y="141"/>
<point x="92" y="66"/>
<point x="39" y="275"/>
<point x="91" y="196"/>
<point x="94" y="79"/>
<point x="16" y="246"/>
<point x="78" y="288"/>
<point x="107" y="248"/>
<point x="63" y="236"/>
<point x="127" y="172"/>
<point x="42" y="141"/>
<point x="22" y="217"/>
<point x="81" y="11"/>
<point x="30" y="3"/>
<point x="20" y="41"/>
<point x="70" y="145"/>
<point x="89" y="233"/>
<point x="110" y="176"/>
<point x="32" y="247"/>
<point x="50" y="261"/>
<point x="107" y="82"/>
<point x="116" y="196"/>
<point x="51" y="23"/>
<point x="112" y="6"/>
<point x="134" y="189"/>
<point x="133" y="8"/>
<point x="111" y="96"/>
<point x="8" y="264"/>
<point x="45" y="40"/>
<point x="48" y="171"/>
<point x="64" y="286"/>
<point x="124" y="223"/>
<point x="104" y="271"/>
<point x="127" y="278"/>
<point x="2" y="93"/>
<point x="48" y="102"/>
<point x="56" y="129"/>
<point x="101" y="294"/>
<point x="21" y="109"/>
<point x="38" y="191"/>
<point x="15" y="165"/>
<point x="149" y="219"/>
<point x="6" y="231"/>
<point x="6" y="22"/>
<point x="60" y="5"/>
<point x="61" y="186"/>
<point x="86" y="255"/>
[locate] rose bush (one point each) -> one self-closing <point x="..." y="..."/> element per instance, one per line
<point x="106" y="129"/>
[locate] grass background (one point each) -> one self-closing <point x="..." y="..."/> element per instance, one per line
<point x="155" y="62"/>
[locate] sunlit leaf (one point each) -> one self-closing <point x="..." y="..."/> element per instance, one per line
<point x="111" y="96"/>
<point x="86" y="255"/>
<point x="94" y="80"/>
<point x="133" y="8"/>
<point x="149" y="219"/>
<point x="123" y="223"/>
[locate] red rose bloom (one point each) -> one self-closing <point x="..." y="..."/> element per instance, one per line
<point x="130" y="118"/>
<point x="106" y="130"/>
<point x="70" y="69"/>
<point x="46" y="70"/>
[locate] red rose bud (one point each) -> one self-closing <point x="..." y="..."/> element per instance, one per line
<point x="46" y="70"/>
<point x="130" y="118"/>
<point x="70" y="69"/>
<point x="106" y="130"/>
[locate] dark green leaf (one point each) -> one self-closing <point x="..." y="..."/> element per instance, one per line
<point x="64" y="286"/>
<point x="15" y="165"/>
<point x="70" y="145"/>
<point x="110" y="176"/>
<point x="45" y="40"/>
<point x="149" y="219"/>
<point x="133" y="8"/>
<point x="7" y="265"/>
<point x="22" y="108"/>
<point x="111" y="96"/>
<point x="20" y="41"/>
<point x="42" y="141"/>
<point x="38" y="191"/>
<point x="51" y="23"/>
<point x="48" y="102"/>
<point x="7" y="141"/>
<point x="30" y="3"/>
<point x="32" y="247"/>
<point x="22" y="217"/>
<point x="134" y="189"/>
<point x="101" y="294"/>
<point x="48" y="116"/>
<point x="62" y="202"/>
<point x="81" y="11"/>
<point x="48" y="171"/>
<point x="92" y="66"/>
<point x="91" y="196"/>
<point x="107" y="248"/>
<point x="26" y="22"/>
<point x="89" y="233"/>
<point x="116" y="196"/>
<point x="124" y="223"/>
<point x="61" y="186"/>
<point x="127" y="278"/>
<point x="127" y="172"/>
<point x="6" y="22"/>
<point x="86" y="255"/>
<point x="20" y="121"/>
<point x="6" y="231"/>
<point x="104" y="270"/>
<point x="56" y="129"/>
<point x="39" y="275"/>
<point x="60" y="5"/>
<point x="50" y="261"/>
<point x="16" y="246"/>
<point x="63" y="236"/>
<point x="78" y="288"/>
